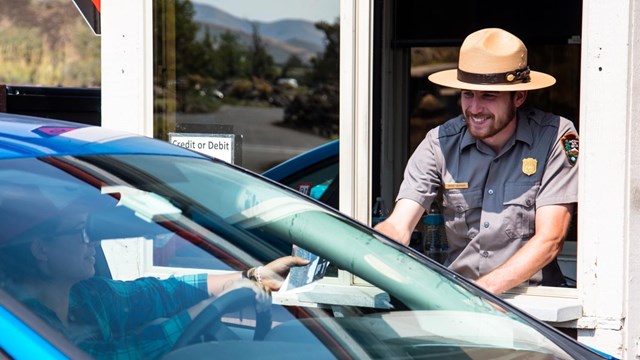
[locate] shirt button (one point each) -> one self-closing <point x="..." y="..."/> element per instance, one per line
<point x="484" y="254"/>
<point x="459" y="209"/>
<point x="490" y="191"/>
<point x="486" y="224"/>
<point x="528" y="202"/>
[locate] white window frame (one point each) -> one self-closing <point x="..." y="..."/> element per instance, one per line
<point x="127" y="65"/>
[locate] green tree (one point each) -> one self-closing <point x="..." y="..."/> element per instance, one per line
<point x="207" y="61"/>
<point x="187" y="47"/>
<point x="318" y="110"/>
<point x="262" y="64"/>
<point x="325" y="67"/>
<point x="292" y="62"/>
<point x="231" y="57"/>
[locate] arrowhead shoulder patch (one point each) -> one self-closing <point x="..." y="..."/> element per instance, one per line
<point x="571" y="146"/>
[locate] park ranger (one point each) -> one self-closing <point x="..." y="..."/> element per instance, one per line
<point x="508" y="175"/>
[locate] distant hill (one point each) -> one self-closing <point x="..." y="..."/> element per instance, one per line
<point x="48" y="43"/>
<point x="282" y="38"/>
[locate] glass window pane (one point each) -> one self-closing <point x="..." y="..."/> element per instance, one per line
<point x="267" y="72"/>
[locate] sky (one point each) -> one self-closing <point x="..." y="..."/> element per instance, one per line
<point x="271" y="10"/>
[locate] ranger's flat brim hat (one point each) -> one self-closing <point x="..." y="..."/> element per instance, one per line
<point x="493" y="60"/>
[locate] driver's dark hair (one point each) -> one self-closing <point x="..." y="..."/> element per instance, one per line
<point x="17" y="262"/>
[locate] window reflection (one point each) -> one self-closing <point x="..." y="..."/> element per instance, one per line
<point x="271" y="81"/>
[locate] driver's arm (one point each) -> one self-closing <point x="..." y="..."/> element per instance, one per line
<point x="269" y="276"/>
<point x="262" y="279"/>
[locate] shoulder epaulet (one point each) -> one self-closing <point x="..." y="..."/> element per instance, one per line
<point x="452" y="127"/>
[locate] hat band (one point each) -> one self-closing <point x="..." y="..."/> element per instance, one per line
<point x="509" y="77"/>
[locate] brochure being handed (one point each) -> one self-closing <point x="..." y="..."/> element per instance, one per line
<point x="300" y="276"/>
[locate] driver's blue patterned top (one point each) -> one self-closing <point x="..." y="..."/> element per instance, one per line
<point x="102" y="310"/>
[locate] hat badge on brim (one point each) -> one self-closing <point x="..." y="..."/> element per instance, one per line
<point x="493" y="60"/>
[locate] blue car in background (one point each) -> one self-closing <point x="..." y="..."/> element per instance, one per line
<point x="314" y="173"/>
<point x="132" y="228"/>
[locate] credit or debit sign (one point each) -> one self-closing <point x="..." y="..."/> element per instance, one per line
<point x="221" y="146"/>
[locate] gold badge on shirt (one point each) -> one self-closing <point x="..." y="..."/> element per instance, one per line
<point x="529" y="166"/>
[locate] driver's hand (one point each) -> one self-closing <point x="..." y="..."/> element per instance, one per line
<point x="272" y="275"/>
<point x="263" y="295"/>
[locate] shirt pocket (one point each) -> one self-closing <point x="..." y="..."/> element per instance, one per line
<point x="520" y="210"/>
<point x="462" y="209"/>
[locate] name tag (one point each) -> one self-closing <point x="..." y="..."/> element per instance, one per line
<point x="456" y="186"/>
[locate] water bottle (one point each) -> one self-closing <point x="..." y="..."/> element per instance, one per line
<point x="433" y="234"/>
<point x="380" y="212"/>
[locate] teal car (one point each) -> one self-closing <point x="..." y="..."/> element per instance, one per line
<point x="108" y="241"/>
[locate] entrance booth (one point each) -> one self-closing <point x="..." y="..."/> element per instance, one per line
<point x="590" y="46"/>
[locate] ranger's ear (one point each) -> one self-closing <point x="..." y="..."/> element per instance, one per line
<point x="519" y="97"/>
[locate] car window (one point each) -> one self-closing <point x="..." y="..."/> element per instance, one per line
<point x="314" y="181"/>
<point x="314" y="173"/>
<point x="163" y="224"/>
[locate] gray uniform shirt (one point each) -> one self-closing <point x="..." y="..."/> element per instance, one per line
<point x="490" y="200"/>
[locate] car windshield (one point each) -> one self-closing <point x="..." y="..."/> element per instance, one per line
<point x="175" y="218"/>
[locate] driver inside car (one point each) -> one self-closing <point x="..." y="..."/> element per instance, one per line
<point x="49" y="265"/>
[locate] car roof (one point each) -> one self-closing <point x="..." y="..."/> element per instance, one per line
<point x="302" y="161"/>
<point x="27" y="136"/>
